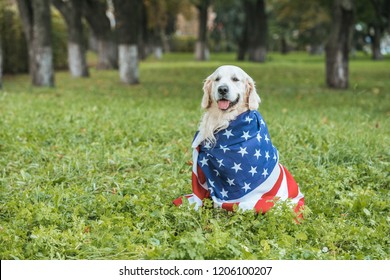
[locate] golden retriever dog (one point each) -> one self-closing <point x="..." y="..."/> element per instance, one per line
<point x="227" y="93"/>
<point x="234" y="161"/>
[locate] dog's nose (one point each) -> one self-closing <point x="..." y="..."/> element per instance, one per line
<point x="223" y="90"/>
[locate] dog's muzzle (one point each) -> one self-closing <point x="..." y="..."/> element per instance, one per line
<point x="223" y="102"/>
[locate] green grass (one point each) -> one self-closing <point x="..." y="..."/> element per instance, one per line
<point x="88" y="169"/>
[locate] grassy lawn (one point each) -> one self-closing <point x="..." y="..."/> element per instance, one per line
<point x="88" y="169"/>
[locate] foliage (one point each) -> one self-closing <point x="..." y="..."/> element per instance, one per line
<point x="59" y="41"/>
<point x="88" y="170"/>
<point x="15" y="55"/>
<point x="300" y="23"/>
<point x="373" y="19"/>
<point x="228" y="25"/>
<point x="15" y="52"/>
<point x="159" y="11"/>
<point x="183" y="43"/>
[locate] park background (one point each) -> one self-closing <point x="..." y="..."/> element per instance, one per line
<point x="99" y="104"/>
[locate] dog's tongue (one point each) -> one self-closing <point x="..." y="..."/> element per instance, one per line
<point x="223" y="104"/>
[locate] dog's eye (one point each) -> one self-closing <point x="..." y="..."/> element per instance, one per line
<point x="217" y="79"/>
<point x="235" y="79"/>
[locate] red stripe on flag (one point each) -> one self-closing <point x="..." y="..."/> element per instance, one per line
<point x="197" y="188"/>
<point x="298" y="209"/>
<point x="229" y="205"/>
<point x="267" y="200"/>
<point x="264" y="204"/>
<point x="178" y="201"/>
<point x="300" y="206"/>
<point x="198" y="180"/>
<point x="276" y="187"/>
<point x="201" y="176"/>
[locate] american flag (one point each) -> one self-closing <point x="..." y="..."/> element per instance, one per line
<point x="241" y="168"/>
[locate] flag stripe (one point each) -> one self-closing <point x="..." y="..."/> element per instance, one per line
<point x="229" y="205"/>
<point x="276" y="187"/>
<point x="197" y="188"/>
<point x="178" y="201"/>
<point x="264" y="204"/>
<point x="291" y="184"/>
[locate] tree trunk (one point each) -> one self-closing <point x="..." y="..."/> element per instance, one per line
<point x="143" y="41"/>
<point x="36" y="21"/>
<point x="254" y="40"/>
<point x="376" y="43"/>
<point x="1" y="65"/>
<point x="128" y="63"/>
<point x="128" y="20"/>
<point x="338" y="45"/>
<point x="157" y="42"/>
<point x="168" y="31"/>
<point x="71" y="10"/>
<point x="107" y="54"/>
<point x="378" y="26"/>
<point x="283" y="45"/>
<point x="201" y="50"/>
<point x="258" y="42"/>
<point x="165" y="42"/>
<point x="107" y="48"/>
<point x="244" y="39"/>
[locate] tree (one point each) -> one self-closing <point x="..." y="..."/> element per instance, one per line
<point x="300" y="23"/>
<point x="36" y="20"/>
<point x="201" y="49"/>
<point x="71" y="10"/>
<point x="158" y="14"/>
<point x="95" y="12"/>
<point x="1" y="64"/>
<point x="254" y="36"/>
<point x="228" y="24"/>
<point x="375" y="16"/>
<point x="173" y="8"/>
<point x="338" y="45"/>
<point x="128" y="17"/>
<point x="258" y="42"/>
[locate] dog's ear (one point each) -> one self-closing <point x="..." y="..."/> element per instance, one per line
<point x="206" y="100"/>
<point x="253" y="98"/>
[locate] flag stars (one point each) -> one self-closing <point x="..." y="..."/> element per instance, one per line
<point x="224" y="193"/>
<point x="257" y="154"/>
<point x="211" y="183"/>
<point x="228" y="133"/>
<point x="245" y="135"/>
<point x="275" y="157"/>
<point x="237" y="167"/>
<point x="220" y="162"/>
<point x="265" y="172"/>
<point x="253" y="170"/>
<point x="243" y="151"/>
<point x="246" y="187"/>
<point x="248" y="119"/>
<point x="230" y="182"/>
<point x="204" y="161"/>
<point x="216" y="172"/>
<point x="224" y="148"/>
<point x="259" y="137"/>
<point x="207" y="145"/>
<point x="267" y="155"/>
<point x="266" y="138"/>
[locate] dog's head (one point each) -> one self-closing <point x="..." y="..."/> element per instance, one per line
<point x="230" y="88"/>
